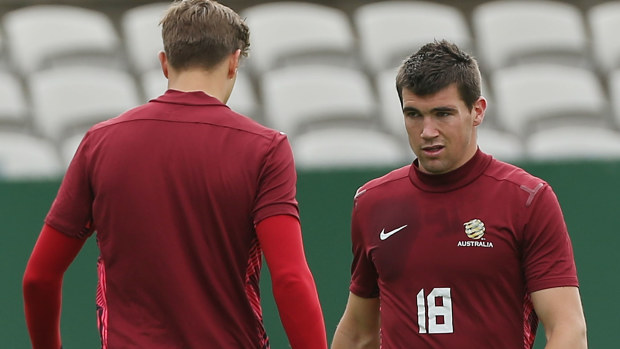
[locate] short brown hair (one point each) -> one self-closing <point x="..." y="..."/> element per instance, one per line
<point x="201" y="33"/>
<point x="437" y="65"/>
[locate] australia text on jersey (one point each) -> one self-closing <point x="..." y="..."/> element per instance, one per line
<point x="475" y="230"/>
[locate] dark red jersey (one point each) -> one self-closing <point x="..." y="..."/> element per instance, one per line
<point x="174" y="189"/>
<point x="454" y="257"/>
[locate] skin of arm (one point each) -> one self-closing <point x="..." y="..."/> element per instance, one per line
<point x="360" y="324"/>
<point x="293" y="286"/>
<point x="561" y="314"/>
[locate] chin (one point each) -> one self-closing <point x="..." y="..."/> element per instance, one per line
<point x="433" y="167"/>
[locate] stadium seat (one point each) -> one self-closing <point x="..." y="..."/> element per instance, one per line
<point x="510" y="32"/>
<point x="142" y="35"/>
<point x="296" y="97"/>
<point x="502" y="145"/>
<point x="613" y="81"/>
<point x="153" y="83"/>
<point x="25" y="156"/>
<point x="14" y="107"/>
<point x="74" y="98"/>
<point x="529" y="96"/>
<point x="40" y="36"/>
<point x="348" y="147"/>
<point x="577" y="143"/>
<point x="390" y="110"/>
<point x="243" y="99"/>
<point x="294" y="32"/>
<point x="3" y="52"/>
<point x="490" y="118"/>
<point x="68" y="146"/>
<point x="604" y="22"/>
<point x="390" y="31"/>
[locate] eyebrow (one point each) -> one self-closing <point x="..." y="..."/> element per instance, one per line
<point x="434" y="110"/>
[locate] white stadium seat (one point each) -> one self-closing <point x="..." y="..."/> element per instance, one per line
<point x="348" y="147"/>
<point x="142" y="35"/>
<point x="390" y="31"/>
<point x="294" y="31"/>
<point x="298" y="96"/>
<point x="613" y="82"/>
<point x="530" y="95"/>
<point x="25" y="156"/>
<point x="577" y="143"/>
<point x="71" y="98"/>
<point x="509" y="32"/>
<point x="502" y="145"/>
<point x="14" y="107"/>
<point x="604" y="22"/>
<point x="40" y="36"/>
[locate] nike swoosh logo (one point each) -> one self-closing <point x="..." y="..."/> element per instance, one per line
<point x="383" y="235"/>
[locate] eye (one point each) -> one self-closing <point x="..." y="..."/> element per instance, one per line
<point x="411" y="113"/>
<point x="443" y="113"/>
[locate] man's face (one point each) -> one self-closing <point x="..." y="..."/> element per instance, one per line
<point x="441" y="129"/>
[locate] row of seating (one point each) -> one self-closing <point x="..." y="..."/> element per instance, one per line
<point x="501" y="33"/>
<point x="38" y="36"/>
<point x="27" y="156"/>
<point x="353" y="117"/>
<point x="525" y="97"/>
<point x="377" y="35"/>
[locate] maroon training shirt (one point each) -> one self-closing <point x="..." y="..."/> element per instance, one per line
<point x="174" y="189"/>
<point x="454" y="257"/>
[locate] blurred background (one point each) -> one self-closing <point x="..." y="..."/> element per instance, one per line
<point x="323" y="72"/>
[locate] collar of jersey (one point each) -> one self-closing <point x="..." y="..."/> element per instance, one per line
<point x="188" y="98"/>
<point x="451" y="180"/>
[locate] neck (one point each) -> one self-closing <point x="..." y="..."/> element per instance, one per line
<point x="214" y="83"/>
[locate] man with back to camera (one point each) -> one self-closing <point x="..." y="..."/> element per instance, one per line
<point x="457" y="250"/>
<point x="185" y="195"/>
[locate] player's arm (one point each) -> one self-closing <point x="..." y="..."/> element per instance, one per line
<point x="560" y="311"/>
<point x="293" y="286"/>
<point x="42" y="285"/>
<point x="360" y="324"/>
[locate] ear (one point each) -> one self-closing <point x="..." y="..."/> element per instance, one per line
<point x="233" y="63"/>
<point x="163" y="61"/>
<point x="479" y="108"/>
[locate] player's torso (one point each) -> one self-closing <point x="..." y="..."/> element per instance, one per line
<point x="448" y="266"/>
<point x="180" y="218"/>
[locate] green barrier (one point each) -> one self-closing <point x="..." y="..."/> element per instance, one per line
<point x="588" y="191"/>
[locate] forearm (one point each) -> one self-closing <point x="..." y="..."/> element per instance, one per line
<point x="294" y="289"/>
<point x="561" y="314"/>
<point x="359" y="326"/>
<point x="42" y="286"/>
<point x="300" y="310"/>
<point x="345" y="338"/>
<point x="573" y="337"/>
<point x="42" y="307"/>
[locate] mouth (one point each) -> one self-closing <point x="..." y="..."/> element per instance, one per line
<point x="433" y="150"/>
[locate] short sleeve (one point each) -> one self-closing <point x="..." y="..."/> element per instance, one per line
<point x="277" y="183"/>
<point x="364" y="275"/>
<point x="71" y="211"/>
<point x="548" y="258"/>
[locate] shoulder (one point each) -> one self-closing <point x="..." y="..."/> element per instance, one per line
<point x="240" y="122"/>
<point x="512" y="175"/>
<point x="394" y="178"/>
<point x="217" y="116"/>
<point x="510" y="179"/>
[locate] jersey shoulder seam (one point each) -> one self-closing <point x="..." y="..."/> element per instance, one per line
<point x="392" y="176"/>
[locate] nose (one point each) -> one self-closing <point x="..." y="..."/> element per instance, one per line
<point x="429" y="130"/>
